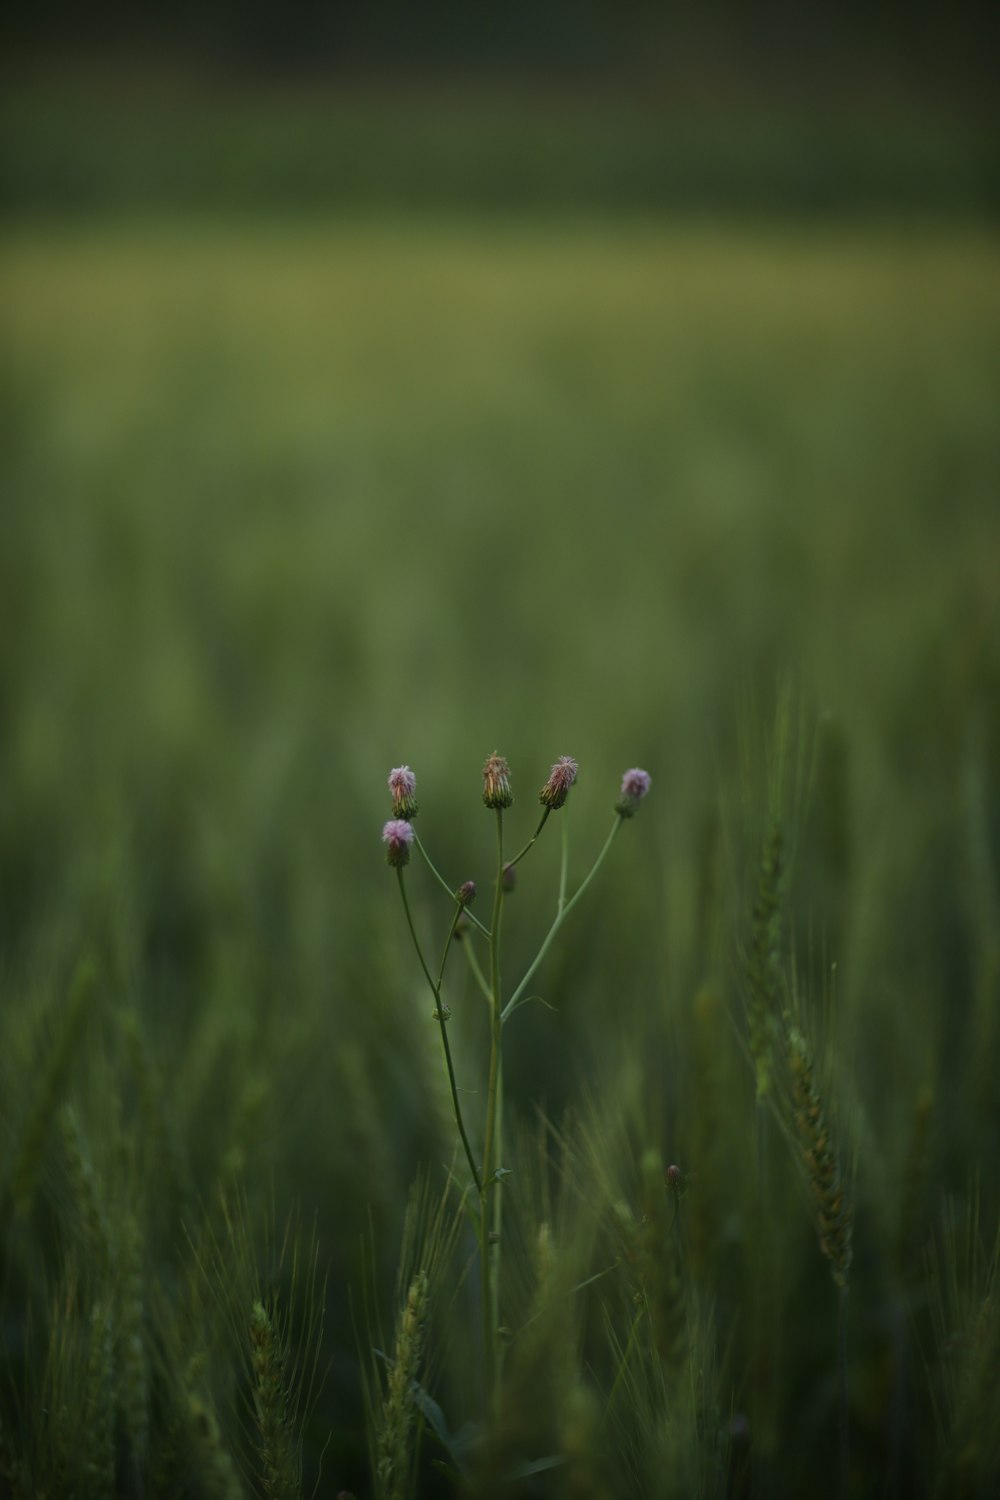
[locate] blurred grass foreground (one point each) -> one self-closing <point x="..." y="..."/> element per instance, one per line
<point x="302" y="484"/>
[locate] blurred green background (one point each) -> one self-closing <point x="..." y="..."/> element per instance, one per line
<point x="549" y="383"/>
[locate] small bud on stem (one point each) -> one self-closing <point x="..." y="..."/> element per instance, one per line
<point x="562" y="776"/>
<point x="397" y="836"/>
<point x="635" y="786"/>
<point x="496" y="782"/>
<point x="403" y="786"/>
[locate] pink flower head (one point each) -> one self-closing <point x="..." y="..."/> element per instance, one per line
<point x="635" y="786"/>
<point x="561" y="778"/>
<point x="397" y="836"/>
<point x="496" y="782"/>
<point x="403" y="786"/>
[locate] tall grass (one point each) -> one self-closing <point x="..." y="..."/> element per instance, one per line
<point x="287" y="509"/>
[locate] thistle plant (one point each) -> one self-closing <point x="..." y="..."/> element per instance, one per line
<point x="486" y="1170"/>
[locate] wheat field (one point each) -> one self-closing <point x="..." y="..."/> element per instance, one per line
<point x="289" y="505"/>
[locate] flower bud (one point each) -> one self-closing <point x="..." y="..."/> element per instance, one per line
<point x="496" y="782"/>
<point x="466" y="893"/>
<point x="403" y="786"/>
<point x="397" y="836"/>
<point x="561" y="778"/>
<point x="674" y="1178"/>
<point x="635" y="786"/>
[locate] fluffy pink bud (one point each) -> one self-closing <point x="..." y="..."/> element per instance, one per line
<point x="561" y="778"/>
<point x="397" y="836"/>
<point x="635" y="786"/>
<point x="403" y="786"/>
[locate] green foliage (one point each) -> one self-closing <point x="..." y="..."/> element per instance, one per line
<point x="286" y="508"/>
<point x="86" y="142"/>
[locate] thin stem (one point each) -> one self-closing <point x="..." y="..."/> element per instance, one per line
<point x="442" y="1023"/>
<point x="563" y="1296"/>
<point x="518" y="857"/>
<point x="561" y="916"/>
<point x="623" y="1365"/>
<point x="844" y="1416"/>
<point x="413" y="933"/>
<point x="447" y="947"/>
<point x="444" y="884"/>
<point x="474" y="965"/>
<point x="563" y="864"/>
<point x="762" y="1415"/>
<point x="491" y="1249"/>
<point x="496" y="1237"/>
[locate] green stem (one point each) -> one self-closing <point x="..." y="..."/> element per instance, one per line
<point x="518" y="857"/>
<point x="496" y="1239"/>
<point x="563" y="865"/>
<point x="447" y="946"/>
<point x="439" y="1014"/>
<point x="444" y="884"/>
<point x="762" y="1326"/>
<point x="843" y="1403"/>
<point x="620" y="1375"/>
<point x="491" y="1246"/>
<point x="413" y="932"/>
<point x="561" y="916"/>
<point x="474" y="965"/>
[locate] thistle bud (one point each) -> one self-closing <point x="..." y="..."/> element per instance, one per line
<point x="466" y="893"/>
<point x="496" y="782"/>
<point x="635" y="786"/>
<point x="561" y="778"/>
<point x="403" y="786"/>
<point x="674" y="1178"/>
<point x="397" y="836"/>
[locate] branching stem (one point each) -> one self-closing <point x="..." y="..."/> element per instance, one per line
<point x="518" y="857"/>
<point x="444" y="884"/>
<point x="561" y="914"/>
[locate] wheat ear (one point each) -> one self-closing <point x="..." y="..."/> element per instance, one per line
<point x="833" y="1205"/>
<point x="394" y="1455"/>
<point x="763" y="960"/>
<point x="274" y="1445"/>
<point x="833" y="1212"/>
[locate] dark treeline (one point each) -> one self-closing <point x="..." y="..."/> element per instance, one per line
<point x="839" y="49"/>
<point x="562" y="107"/>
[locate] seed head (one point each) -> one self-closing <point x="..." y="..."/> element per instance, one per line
<point x="561" y="778"/>
<point x="397" y="836"/>
<point x="496" y="782"/>
<point x="635" y="786"/>
<point x="466" y="893"/>
<point x="403" y="786"/>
